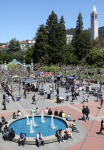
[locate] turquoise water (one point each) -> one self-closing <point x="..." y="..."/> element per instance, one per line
<point x="20" y="126"/>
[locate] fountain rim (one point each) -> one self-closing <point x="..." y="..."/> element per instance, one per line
<point x="31" y="140"/>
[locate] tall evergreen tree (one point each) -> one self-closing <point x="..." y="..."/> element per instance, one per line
<point x="51" y="26"/>
<point x="79" y="25"/>
<point x="40" y="50"/>
<point x="61" y="40"/>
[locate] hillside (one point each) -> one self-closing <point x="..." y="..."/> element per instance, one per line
<point x="72" y="31"/>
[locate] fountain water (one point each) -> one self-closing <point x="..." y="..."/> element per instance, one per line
<point x="31" y="128"/>
<point x="33" y="121"/>
<point x="42" y="117"/>
<point x="27" y="120"/>
<point x="52" y="123"/>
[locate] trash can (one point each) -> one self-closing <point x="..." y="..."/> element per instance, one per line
<point x="10" y="99"/>
<point x="6" y="97"/>
<point x="18" y="98"/>
<point x="3" y="96"/>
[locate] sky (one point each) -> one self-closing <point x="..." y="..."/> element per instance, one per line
<point x="20" y="19"/>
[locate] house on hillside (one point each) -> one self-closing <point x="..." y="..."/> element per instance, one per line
<point x="24" y="45"/>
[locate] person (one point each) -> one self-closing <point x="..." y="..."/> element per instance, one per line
<point x="1" y="126"/>
<point x="50" y="90"/>
<point x="19" y="113"/>
<point x="73" y="126"/>
<point x="67" y="96"/>
<point x="39" y="139"/>
<point x="87" y="112"/>
<point x="98" y="97"/>
<point x="63" y="114"/>
<point x="34" y="100"/>
<point x="6" y="134"/>
<point x="60" y="113"/>
<point x="61" y="137"/>
<point x="4" y="104"/>
<point x="68" y="132"/>
<point x="21" y="139"/>
<point x="3" y="120"/>
<point x="84" y="112"/>
<point x="25" y="93"/>
<point x="56" y="112"/>
<point x="32" y="111"/>
<point x="49" y="111"/>
<point x="14" y="116"/>
<point x="46" y="111"/>
<point x="37" y="111"/>
<point x="11" y="134"/>
<point x="102" y="125"/>
<point x="73" y="96"/>
<point x="57" y="91"/>
<point x="101" y="103"/>
<point x="83" y="97"/>
<point x="68" y="117"/>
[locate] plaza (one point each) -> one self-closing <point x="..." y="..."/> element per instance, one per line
<point x="88" y="138"/>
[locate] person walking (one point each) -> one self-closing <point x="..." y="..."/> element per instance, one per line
<point x="84" y="112"/>
<point x="25" y="93"/>
<point x="101" y="103"/>
<point x="34" y="100"/>
<point x="67" y="96"/>
<point x="102" y="125"/>
<point x="87" y="112"/>
<point x="4" y="104"/>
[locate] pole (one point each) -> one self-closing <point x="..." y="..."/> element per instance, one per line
<point x="11" y="84"/>
<point x="19" y="85"/>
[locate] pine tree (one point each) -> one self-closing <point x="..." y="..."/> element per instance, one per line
<point x="51" y="26"/>
<point x="40" y="49"/>
<point x="61" y="40"/>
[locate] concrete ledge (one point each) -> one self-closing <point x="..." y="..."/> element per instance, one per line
<point x="31" y="140"/>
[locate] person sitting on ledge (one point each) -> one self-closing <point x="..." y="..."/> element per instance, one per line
<point x="46" y="111"/>
<point x="14" y="116"/>
<point x="19" y="113"/>
<point x="39" y="139"/>
<point x="49" y="111"/>
<point x="4" y="120"/>
<point x="63" y="114"/>
<point x="68" y="132"/>
<point x="60" y="114"/>
<point x="56" y="113"/>
<point x="22" y="139"/>
<point x="11" y="134"/>
<point x="37" y="111"/>
<point x="32" y="111"/>
<point x="61" y="137"/>
<point x="73" y="126"/>
<point x="69" y="117"/>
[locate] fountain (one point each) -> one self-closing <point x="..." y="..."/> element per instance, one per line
<point x="42" y="117"/>
<point x="33" y="121"/>
<point x="52" y="123"/>
<point x="27" y="120"/>
<point x="31" y="128"/>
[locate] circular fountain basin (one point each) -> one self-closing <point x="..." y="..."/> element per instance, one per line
<point x="19" y="125"/>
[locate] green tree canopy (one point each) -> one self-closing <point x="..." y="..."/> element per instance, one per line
<point x="14" y="46"/>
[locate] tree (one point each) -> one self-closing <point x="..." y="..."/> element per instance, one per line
<point x="29" y="55"/>
<point x="79" y="25"/>
<point x="95" y="58"/>
<point x="51" y="26"/>
<point x="61" y="41"/>
<point x="40" y="52"/>
<point x="19" y="55"/>
<point x="14" y="46"/>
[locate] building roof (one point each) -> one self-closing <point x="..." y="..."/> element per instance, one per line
<point x="2" y="46"/>
<point x="15" y="62"/>
<point x="23" y="42"/>
<point x="94" y="9"/>
<point x="6" y="44"/>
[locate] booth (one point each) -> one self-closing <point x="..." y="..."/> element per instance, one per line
<point x="71" y="80"/>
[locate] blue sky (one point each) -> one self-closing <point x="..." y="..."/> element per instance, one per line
<point x="20" y="19"/>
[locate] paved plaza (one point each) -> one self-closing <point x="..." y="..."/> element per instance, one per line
<point x="88" y="138"/>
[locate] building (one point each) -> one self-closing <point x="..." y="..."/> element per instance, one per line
<point x="2" y="47"/>
<point x="69" y="38"/>
<point x="94" y="23"/>
<point x="24" y="45"/>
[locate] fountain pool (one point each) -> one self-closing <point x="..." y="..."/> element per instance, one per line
<point x="20" y="126"/>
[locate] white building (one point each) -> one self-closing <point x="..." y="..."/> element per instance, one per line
<point x="27" y="44"/>
<point x="69" y="38"/>
<point x="94" y="23"/>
